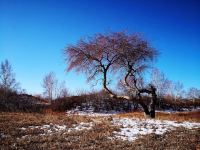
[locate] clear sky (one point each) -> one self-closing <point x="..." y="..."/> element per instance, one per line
<point x="33" y="34"/>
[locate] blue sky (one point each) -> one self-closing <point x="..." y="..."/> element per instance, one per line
<point x="34" y="33"/>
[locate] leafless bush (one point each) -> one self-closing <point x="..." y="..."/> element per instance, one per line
<point x="99" y="102"/>
<point x="14" y="102"/>
<point x="169" y="102"/>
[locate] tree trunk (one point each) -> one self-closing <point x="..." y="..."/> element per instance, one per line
<point x="153" y="102"/>
<point x="144" y="106"/>
<point x="149" y="112"/>
<point x="105" y="84"/>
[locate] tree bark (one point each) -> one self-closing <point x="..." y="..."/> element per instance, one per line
<point x="149" y="112"/>
<point x="105" y="84"/>
<point x="146" y="110"/>
<point x="153" y="102"/>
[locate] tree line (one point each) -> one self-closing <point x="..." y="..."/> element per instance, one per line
<point x="106" y="58"/>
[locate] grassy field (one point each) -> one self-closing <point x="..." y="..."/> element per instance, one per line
<point x="193" y="116"/>
<point x="61" y="131"/>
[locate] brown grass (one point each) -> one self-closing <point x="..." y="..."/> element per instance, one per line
<point x="176" y="116"/>
<point x="96" y="138"/>
<point x="179" y="139"/>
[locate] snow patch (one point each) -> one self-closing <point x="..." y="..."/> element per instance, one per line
<point x="131" y="129"/>
<point x="81" y="126"/>
<point x="90" y="112"/>
<point x="54" y="128"/>
<point x="2" y="135"/>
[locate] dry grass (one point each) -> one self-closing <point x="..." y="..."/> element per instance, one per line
<point x="178" y="116"/>
<point x="179" y="139"/>
<point x="96" y="138"/>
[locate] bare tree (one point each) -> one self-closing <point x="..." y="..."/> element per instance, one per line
<point x="161" y="83"/>
<point x="178" y="90"/>
<point x="62" y="90"/>
<point x="7" y="77"/>
<point x="193" y="93"/>
<point x="50" y="85"/>
<point x="128" y="55"/>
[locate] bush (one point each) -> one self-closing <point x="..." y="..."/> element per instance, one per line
<point x="179" y="104"/>
<point x="98" y="102"/>
<point x="14" y="102"/>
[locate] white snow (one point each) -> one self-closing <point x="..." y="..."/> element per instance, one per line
<point x="2" y="135"/>
<point x="82" y="113"/>
<point x="81" y="126"/>
<point x="53" y="128"/>
<point x="91" y="113"/>
<point x="23" y="128"/>
<point x="131" y="129"/>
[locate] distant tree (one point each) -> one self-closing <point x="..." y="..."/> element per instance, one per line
<point x="193" y="93"/>
<point x="7" y="78"/>
<point x="161" y="83"/>
<point x="62" y="90"/>
<point x="49" y="85"/>
<point x="178" y="90"/>
<point x="104" y="54"/>
<point x="53" y="88"/>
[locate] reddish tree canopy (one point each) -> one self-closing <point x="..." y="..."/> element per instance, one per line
<point x="114" y="51"/>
